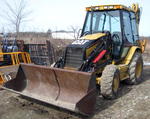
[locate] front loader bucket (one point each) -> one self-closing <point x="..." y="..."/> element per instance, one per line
<point x="72" y="90"/>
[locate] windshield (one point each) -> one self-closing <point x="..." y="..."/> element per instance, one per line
<point x="99" y="21"/>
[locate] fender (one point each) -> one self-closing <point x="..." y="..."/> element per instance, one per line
<point x="130" y="54"/>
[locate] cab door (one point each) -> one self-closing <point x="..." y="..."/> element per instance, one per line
<point x="127" y="31"/>
<point x="116" y="33"/>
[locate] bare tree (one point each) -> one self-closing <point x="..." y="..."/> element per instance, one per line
<point x="76" y="31"/>
<point x="16" y="13"/>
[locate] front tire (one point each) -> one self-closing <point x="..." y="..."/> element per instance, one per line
<point x="110" y="82"/>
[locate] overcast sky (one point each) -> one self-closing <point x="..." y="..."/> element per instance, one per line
<point x="61" y="14"/>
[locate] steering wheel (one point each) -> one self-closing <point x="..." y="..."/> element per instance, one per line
<point x="85" y="33"/>
<point x="116" y="39"/>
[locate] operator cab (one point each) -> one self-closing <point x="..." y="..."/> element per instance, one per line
<point x="119" y="21"/>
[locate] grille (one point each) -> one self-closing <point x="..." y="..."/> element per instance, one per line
<point x="74" y="57"/>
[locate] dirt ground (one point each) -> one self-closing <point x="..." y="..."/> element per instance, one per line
<point x="133" y="103"/>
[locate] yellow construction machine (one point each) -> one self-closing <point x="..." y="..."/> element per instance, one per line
<point x="107" y="53"/>
<point x="10" y="58"/>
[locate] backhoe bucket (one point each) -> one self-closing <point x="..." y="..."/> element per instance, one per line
<point x="72" y="90"/>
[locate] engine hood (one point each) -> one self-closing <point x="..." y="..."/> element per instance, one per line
<point x="88" y="40"/>
<point x="93" y="36"/>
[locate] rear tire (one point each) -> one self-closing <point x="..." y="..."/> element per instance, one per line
<point x="135" y="70"/>
<point x="110" y="82"/>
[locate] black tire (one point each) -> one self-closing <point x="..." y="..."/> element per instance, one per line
<point x="135" y="70"/>
<point x="109" y="76"/>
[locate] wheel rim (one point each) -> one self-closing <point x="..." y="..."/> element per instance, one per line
<point x="138" y="71"/>
<point x="115" y="84"/>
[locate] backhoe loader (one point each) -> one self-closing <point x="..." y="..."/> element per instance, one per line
<point x="107" y="53"/>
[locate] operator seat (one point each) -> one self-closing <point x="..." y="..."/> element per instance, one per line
<point x="117" y="42"/>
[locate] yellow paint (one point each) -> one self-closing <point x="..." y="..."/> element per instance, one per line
<point x="142" y="44"/>
<point x="1" y="79"/>
<point x="89" y="50"/>
<point x="123" y="69"/>
<point x="98" y="80"/>
<point x="116" y="82"/>
<point x="113" y="62"/>
<point x="93" y="36"/>
<point x="1" y="56"/>
<point x="135" y="7"/>
<point x="109" y="7"/>
<point x="130" y="54"/>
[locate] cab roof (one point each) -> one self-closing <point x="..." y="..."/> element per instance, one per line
<point x="109" y="7"/>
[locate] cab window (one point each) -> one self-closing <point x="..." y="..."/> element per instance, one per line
<point x="127" y="27"/>
<point x="134" y="27"/>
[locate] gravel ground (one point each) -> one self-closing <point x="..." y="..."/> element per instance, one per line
<point x="133" y="103"/>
